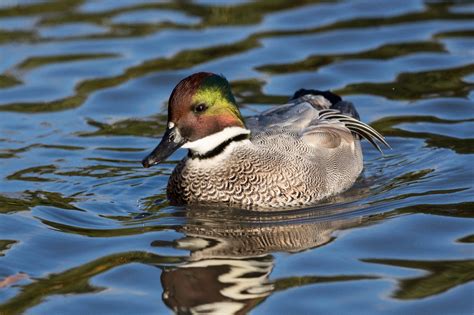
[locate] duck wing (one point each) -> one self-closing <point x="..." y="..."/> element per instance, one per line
<point x="336" y="102"/>
<point x="321" y="119"/>
<point x="341" y="126"/>
<point x="296" y="114"/>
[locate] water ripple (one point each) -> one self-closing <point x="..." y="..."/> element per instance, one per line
<point x="85" y="229"/>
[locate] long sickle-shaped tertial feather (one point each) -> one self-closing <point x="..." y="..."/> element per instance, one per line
<point x="356" y="126"/>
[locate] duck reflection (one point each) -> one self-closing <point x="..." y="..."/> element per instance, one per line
<point x="217" y="286"/>
<point x="230" y="257"/>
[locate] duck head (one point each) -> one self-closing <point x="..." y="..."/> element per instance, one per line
<point x="202" y="115"/>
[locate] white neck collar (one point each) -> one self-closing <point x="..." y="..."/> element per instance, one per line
<point x="206" y="144"/>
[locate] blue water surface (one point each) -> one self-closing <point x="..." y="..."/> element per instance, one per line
<point x="84" y="229"/>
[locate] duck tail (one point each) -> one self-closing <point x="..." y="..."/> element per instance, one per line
<point x="346" y="108"/>
<point x="331" y="97"/>
<point x="356" y="126"/>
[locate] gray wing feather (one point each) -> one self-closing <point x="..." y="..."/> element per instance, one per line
<point x="327" y="134"/>
<point x="317" y="122"/>
<point x="296" y="114"/>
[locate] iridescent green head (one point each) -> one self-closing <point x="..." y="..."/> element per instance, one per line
<point x="203" y="104"/>
<point x="200" y="105"/>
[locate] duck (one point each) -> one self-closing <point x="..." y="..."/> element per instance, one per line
<point x="290" y="156"/>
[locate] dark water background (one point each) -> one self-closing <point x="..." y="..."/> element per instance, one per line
<point x="84" y="229"/>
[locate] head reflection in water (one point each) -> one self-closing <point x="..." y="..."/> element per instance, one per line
<point x="217" y="286"/>
<point x="230" y="262"/>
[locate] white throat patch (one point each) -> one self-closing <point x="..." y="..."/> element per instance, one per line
<point x="206" y="144"/>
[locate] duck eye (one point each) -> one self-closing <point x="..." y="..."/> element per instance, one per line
<point x="200" y="108"/>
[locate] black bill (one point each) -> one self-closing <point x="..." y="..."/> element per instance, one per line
<point x="170" y="142"/>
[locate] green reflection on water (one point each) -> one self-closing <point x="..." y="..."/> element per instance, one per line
<point x="294" y="282"/>
<point x="12" y="153"/>
<point x="387" y="126"/>
<point x="408" y="86"/>
<point x="419" y="85"/>
<point x="76" y="280"/>
<point x="467" y="239"/>
<point x="39" y="61"/>
<point x="5" y="245"/>
<point x="154" y="126"/>
<point x="16" y="36"/>
<point x="459" y="210"/>
<point x="30" y="199"/>
<point x="182" y="60"/>
<point x="118" y="232"/>
<point x="384" y="52"/>
<point x="7" y="80"/>
<point x="441" y="276"/>
<point x="38" y="170"/>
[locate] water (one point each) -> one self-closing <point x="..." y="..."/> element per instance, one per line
<point x="84" y="229"/>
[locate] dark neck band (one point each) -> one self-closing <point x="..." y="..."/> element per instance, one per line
<point x="220" y="148"/>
